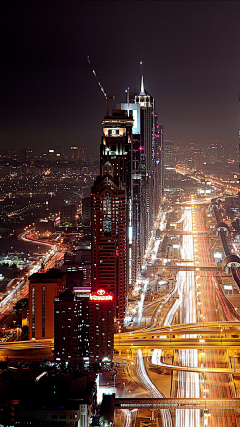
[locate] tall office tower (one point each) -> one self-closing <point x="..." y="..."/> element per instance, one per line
<point x="135" y="214"/>
<point x="146" y="171"/>
<point x="110" y="201"/>
<point x="147" y="122"/>
<point x="42" y="291"/>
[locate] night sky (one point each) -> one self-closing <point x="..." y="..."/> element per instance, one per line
<point x="191" y="63"/>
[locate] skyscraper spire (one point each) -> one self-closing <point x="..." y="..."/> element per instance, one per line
<point x="142" y="90"/>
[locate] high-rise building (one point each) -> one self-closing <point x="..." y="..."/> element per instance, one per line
<point x="131" y="165"/>
<point x="136" y="215"/>
<point x="84" y="326"/>
<point x="101" y="326"/>
<point x="43" y="288"/>
<point x="147" y="121"/>
<point x="110" y="200"/>
<point x="71" y="325"/>
<point x="146" y="172"/>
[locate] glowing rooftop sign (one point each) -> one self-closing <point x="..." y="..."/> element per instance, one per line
<point x="101" y="295"/>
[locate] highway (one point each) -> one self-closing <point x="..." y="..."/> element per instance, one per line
<point x="55" y="253"/>
<point x="201" y="327"/>
<point x="213" y="307"/>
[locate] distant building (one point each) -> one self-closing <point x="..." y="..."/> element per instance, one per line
<point x="198" y="159"/>
<point x="83" y="154"/>
<point x="74" y="153"/>
<point x="169" y="154"/>
<point x="78" y="261"/>
<point x="212" y="154"/>
<point x="45" y="225"/>
<point x="86" y="210"/>
<point x="68" y="215"/>
<point x="43" y="288"/>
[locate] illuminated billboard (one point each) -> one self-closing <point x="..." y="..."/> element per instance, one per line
<point x="100" y="295"/>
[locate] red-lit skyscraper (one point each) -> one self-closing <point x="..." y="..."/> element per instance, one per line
<point x="101" y="326"/>
<point x="110" y="210"/>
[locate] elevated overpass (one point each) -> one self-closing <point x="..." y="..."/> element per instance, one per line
<point x="168" y="266"/>
<point x="30" y="350"/>
<point x="208" y="328"/>
<point x="177" y="403"/>
<point x="172" y="343"/>
<point x="183" y="232"/>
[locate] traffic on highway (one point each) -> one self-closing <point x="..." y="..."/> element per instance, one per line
<point x="190" y="330"/>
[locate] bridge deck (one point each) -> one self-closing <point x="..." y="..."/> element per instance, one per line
<point x="188" y="267"/>
<point x="179" y="403"/>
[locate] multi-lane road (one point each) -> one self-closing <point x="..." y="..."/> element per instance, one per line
<point x="20" y="290"/>
<point x="208" y="328"/>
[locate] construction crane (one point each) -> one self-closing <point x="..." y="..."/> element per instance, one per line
<point x="107" y="97"/>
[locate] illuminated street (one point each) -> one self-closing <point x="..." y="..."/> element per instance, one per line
<point x="200" y="348"/>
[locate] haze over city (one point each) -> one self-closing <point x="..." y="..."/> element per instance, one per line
<point x="191" y="61"/>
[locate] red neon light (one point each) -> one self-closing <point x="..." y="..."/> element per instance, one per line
<point x="101" y="295"/>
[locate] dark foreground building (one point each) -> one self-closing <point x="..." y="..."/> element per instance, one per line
<point x="56" y="398"/>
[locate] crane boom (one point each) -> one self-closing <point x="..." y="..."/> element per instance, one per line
<point x="95" y="75"/>
<point x="107" y="97"/>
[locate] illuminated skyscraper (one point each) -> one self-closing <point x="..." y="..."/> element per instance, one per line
<point x="110" y="200"/>
<point x="146" y="171"/>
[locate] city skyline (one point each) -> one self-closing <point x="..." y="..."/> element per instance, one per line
<point x="120" y="214"/>
<point x="190" y="54"/>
